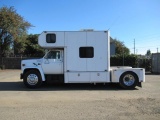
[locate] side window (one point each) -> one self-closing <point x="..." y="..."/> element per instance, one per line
<point x="53" y="55"/>
<point x="86" y="52"/>
<point x="51" y="38"/>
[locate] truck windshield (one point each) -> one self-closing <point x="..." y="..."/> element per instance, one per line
<point x="52" y="55"/>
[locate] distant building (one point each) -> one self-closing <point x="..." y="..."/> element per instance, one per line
<point x="112" y="48"/>
<point x="155" y="65"/>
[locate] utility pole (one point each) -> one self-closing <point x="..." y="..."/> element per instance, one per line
<point x="157" y="60"/>
<point x="134" y="46"/>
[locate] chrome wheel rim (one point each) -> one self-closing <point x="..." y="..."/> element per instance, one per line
<point x="32" y="79"/>
<point x="128" y="80"/>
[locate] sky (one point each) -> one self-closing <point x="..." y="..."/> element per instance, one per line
<point x="127" y="20"/>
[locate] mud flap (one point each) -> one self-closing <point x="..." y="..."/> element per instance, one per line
<point x="21" y="76"/>
<point x="139" y="84"/>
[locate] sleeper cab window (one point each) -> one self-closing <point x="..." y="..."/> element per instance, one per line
<point x="51" y="38"/>
<point x="86" y="52"/>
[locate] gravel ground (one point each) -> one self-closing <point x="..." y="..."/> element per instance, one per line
<point x="77" y="101"/>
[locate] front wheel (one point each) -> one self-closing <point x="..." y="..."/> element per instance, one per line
<point x="128" y="80"/>
<point x="32" y="79"/>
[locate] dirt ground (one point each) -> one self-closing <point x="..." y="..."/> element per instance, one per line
<point x="77" y="101"/>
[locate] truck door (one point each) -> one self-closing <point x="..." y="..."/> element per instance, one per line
<point x="53" y="62"/>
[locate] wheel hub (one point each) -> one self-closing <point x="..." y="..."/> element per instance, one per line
<point x="32" y="79"/>
<point x="129" y="80"/>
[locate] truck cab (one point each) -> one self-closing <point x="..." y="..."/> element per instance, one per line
<point x="53" y="62"/>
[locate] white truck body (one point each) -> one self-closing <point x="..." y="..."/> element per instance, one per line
<point x="76" y="57"/>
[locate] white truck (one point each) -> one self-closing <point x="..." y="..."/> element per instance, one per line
<point x="77" y="57"/>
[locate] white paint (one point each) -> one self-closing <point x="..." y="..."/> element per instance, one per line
<point x="76" y="69"/>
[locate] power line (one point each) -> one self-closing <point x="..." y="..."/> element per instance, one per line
<point x="157" y="35"/>
<point x="113" y="23"/>
<point x="143" y="41"/>
<point x="143" y="50"/>
<point x="146" y="47"/>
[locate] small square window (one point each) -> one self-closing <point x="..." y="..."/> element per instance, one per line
<point x="51" y="38"/>
<point x="86" y="52"/>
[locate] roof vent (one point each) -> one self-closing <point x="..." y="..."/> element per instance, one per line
<point x="87" y="30"/>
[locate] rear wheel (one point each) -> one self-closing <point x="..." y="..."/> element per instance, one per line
<point x="32" y="79"/>
<point x="128" y="80"/>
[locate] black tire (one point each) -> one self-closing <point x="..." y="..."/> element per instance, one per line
<point x="128" y="80"/>
<point x="32" y="79"/>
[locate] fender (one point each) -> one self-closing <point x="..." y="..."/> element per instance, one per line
<point x="37" y="68"/>
<point x="117" y="72"/>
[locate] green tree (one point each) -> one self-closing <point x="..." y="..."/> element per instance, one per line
<point x="148" y="53"/>
<point x="32" y="48"/>
<point x="127" y="60"/>
<point x="12" y="28"/>
<point x="20" y="45"/>
<point x="120" y="47"/>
